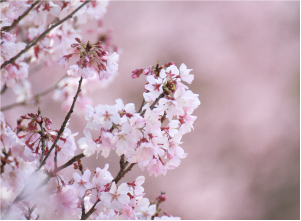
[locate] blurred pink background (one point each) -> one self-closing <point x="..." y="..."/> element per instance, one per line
<point x="243" y="156"/>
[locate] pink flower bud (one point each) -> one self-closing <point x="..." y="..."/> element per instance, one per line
<point x="78" y="40"/>
<point x="39" y="119"/>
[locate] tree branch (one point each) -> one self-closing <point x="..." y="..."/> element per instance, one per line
<point x="140" y="109"/>
<point x="86" y="215"/>
<point x="36" y="40"/>
<point x="63" y="125"/>
<point x="122" y="172"/>
<point x="153" y="104"/>
<point x="43" y="141"/>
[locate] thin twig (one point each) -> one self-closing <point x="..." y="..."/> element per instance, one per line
<point x="16" y="21"/>
<point x="123" y="172"/>
<point x="63" y="125"/>
<point x="140" y="109"/>
<point x="36" y="40"/>
<point x="83" y="206"/>
<point x="70" y="162"/>
<point x="43" y="141"/>
<point x="55" y="156"/>
<point x="153" y="104"/>
<point x="34" y="97"/>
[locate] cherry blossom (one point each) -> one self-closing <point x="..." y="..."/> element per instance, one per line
<point x="117" y="196"/>
<point x="82" y="183"/>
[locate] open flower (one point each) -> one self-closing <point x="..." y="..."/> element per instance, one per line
<point x="82" y="183"/>
<point x="117" y="196"/>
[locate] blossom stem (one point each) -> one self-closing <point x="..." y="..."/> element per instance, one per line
<point x="63" y="125"/>
<point x="36" y="40"/>
<point x="43" y="140"/>
<point x="35" y="97"/>
<point x="16" y="21"/>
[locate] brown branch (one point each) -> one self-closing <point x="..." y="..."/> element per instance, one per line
<point x="153" y="104"/>
<point x="140" y="109"/>
<point x="63" y="125"/>
<point x="86" y="215"/>
<point x="83" y="206"/>
<point x="34" y="97"/>
<point x="16" y="21"/>
<point x="36" y="40"/>
<point x="122" y="172"/>
<point x="43" y="141"/>
<point x="55" y="157"/>
<point x="70" y="162"/>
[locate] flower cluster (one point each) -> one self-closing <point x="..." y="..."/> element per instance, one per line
<point x="21" y="152"/>
<point x="141" y="137"/>
<point x="53" y="45"/>
<point x="34" y="182"/>
<point x="93" y="59"/>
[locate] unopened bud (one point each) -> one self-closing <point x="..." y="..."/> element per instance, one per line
<point x="39" y="119"/>
<point x="78" y="40"/>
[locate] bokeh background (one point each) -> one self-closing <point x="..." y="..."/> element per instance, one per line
<point x="244" y="154"/>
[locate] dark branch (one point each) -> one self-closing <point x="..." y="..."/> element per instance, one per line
<point x="140" y="109"/>
<point x="63" y="125"/>
<point x="36" y="40"/>
<point x="122" y="172"/>
<point x="43" y="141"/>
<point x="153" y="104"/>
<point x="86" y="216"/>
<point x="83" y="206"/>
<point x="70" y="162"/>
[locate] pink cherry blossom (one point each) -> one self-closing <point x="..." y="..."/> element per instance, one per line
<point x="82" y="183"/>
<point x="117" y="196"/>
<point x="184" y="73"/>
